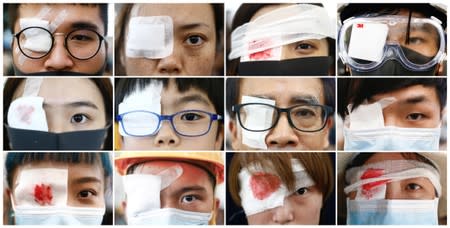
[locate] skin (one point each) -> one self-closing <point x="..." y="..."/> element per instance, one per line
<point x="300" y="49"/>
<point x="194" y="49"/>
<point x="173" y="101"/>
<point x="300" y="208"/>
<point x="59" y="59"/>
<point x="66" y="108"/>
<point x="419" y="188"/>
<point x="192" y="191"/>
<point x="415" y="107"/>
<point x="286" y="93"/>
<point x="85" y="182"/>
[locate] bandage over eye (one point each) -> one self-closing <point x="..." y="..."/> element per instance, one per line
<point x="418" y="43"/>
<point x="135" y="107"/>
<point x="262" y="38"/>
<point x="369" y="181"/>
<point x="143" y="190"/>
<point x="262" y="189"/>
<point x="149" y="37"/>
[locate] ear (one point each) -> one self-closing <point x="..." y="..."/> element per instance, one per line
<point x="328" y="126"/>
<point x="440" y="69"/>
<point x="234" y="134"/>
<point x="218" y="145"/>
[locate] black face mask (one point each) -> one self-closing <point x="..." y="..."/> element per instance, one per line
<point x="393" y="67"/>
<point x="310" y="66"/>
<point x="17" y="72"/>
<point x="21" y="139"/>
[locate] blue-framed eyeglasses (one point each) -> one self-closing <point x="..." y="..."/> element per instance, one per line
<point x="190" y="123"/>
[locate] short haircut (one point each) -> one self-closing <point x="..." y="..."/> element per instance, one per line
<point x="356" y="90"/>
<point x="234" y="87"/>
<point x="212" y="87"/>
<point x="13" y="13"/>
<point x="318" y="166"/>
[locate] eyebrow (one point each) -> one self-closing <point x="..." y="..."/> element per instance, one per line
<point x="84" y="180"/>
<point x="84" y="25"/>
<point x="415" y="99"/>
<point x="192" y="98"/>
<point x="193" y="26"/>
<point x="76" y="104"/>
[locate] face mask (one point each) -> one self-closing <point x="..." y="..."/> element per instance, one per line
<point x="21" y="139"/>
<point x="298" y="66"/>
<point x="392" y="212"/>
<point x="392" y="138"/>
<point x="17" y="72"/>
<point x="170" y="216"/>
<point x="58" y="216"/>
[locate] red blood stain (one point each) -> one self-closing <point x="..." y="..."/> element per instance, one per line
<point x="43" y="194"/>
<point x="359" y="25"/>
<point x="369" y="189"/>
<point x="25" y="112"/>
<point x="264" y="184"/>
<point x="262" y="55"/>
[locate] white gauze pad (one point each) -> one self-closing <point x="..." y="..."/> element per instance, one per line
<point x="27" y="112"/>
<point x="370" y="180"/>
<point x="262" y="189"/>
<point x="41" y="187"/>
<point x="150" y="37"/>
<point x="368" y="116"/>
<point x="36" y="40"/>
<point x="147" y="99"/>
<point x="363" y="34"/>
<point x="143" y="190"/>
<point x="259" y="117"/>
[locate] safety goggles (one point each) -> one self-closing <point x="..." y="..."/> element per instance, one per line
<point x="366" y="43"/>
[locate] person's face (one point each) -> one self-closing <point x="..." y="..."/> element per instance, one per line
<point x="419" y="188"/>
<point x="300" y="208"/>
<point x="59" y="59"/>
<point x="300" y="49"/>
<point x="286" y="93"/>
<point x="70" y="104"/>
<point x="194" y="38"/>
<point x="415" y="107"/>
<point x="86" y="183"/>
<point x="192" y="191"/>
<point x="173" y="101"/>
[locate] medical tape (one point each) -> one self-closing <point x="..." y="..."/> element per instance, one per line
<point x="261" y="189"/>
<point x="290" y="24"/>
<point x="58" y="20"/>
<point x="27" y="112"/>
<point x="150" y="37"/>
<point x="257" y="117"/>
<point x="144" y="190"/>
<point x="168" y="175"/>
<point x="367" y="116"/>
<point x="44" y="187"/>
<point x="372" y="176"/>
<point x="142" y="99"/>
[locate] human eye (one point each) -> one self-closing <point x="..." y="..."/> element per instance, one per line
<point x="86" y="193"/>
<point x="188" y="199"/>
<point x="301" y="191"/>
<point x="304" y="112"/>
<point x="79" y="118"/>
<point x="413" y="187"/>
<point x="191" y="116"/>
<point x="305" y="47"/>
<point x="415" y="116"/>
<point x="194" y="40"/>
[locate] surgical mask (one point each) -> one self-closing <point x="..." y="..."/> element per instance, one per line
<point x="392" y="212"/>
<point x="170" y="216"/>
<point x="58" y="216"/>
<point x="298" y="66"/>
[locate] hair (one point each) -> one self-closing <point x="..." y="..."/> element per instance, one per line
<point x="13" y="13"/>
<point x="317" y="165"/>
<point x="244" y="14"/>
<point x="356" y="90"/>
<point x="103" y="84"/>
<point x="234" y="93"/>
<point x="123" y="17"/>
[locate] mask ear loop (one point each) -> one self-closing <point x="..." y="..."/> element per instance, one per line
<point x="408" y="28"/>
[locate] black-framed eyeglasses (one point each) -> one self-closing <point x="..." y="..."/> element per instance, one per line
<point x="303" y="117"/>
<point x="191" y="123"/>
<point x="37" y="42"/>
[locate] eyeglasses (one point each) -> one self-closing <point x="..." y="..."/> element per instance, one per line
<point x="189" y="123"/>
<point x="304" y="117"/>
<point x="37" y="42"/>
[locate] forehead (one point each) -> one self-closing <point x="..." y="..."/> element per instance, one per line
<point x="415" y="90"/>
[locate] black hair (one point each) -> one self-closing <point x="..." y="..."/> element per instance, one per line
<point x="234" y="85"/>
<point x="356" y="90"/>
<point x="212" y="87"/>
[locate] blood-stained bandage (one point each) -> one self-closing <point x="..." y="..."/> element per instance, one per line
<point x="143" y="190"/>
<point x="262" y="38"/>
<point x="259" y="117"/>
<point x="146" y="99"/>
<point x="262" y="189"/>
<point x="369" y="181"/>
<point x="27" y="112"/>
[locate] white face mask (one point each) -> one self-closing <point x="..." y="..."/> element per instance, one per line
<point x="170" y="216"/>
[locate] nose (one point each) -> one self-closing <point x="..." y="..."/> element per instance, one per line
<point x="57" y="125"/>
<point x="389" y="120"/>
<point x="282" y="135"/>
<point x="166" y="137"/>
<point x="283" y="214"/>
<point x="171" y="65"/>
<point x="58" y="59"/>
<point x="393" y="190"/>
